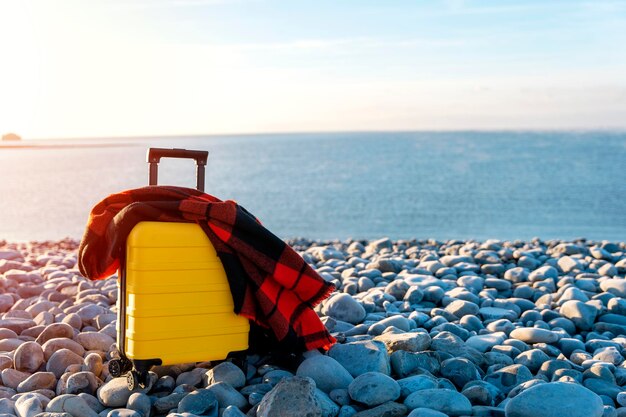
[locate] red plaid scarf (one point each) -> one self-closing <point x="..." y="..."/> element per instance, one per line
<point x="271" y="284"/>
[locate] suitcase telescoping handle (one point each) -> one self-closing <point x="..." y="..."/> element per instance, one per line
<point x="155" y="154"/>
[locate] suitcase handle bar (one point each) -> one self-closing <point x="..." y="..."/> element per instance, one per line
<point x="154" y="156"/>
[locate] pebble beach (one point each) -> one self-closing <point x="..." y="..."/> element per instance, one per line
<point x="424" y="328"/>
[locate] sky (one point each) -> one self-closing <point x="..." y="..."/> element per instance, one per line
<point x="73" y="68"/>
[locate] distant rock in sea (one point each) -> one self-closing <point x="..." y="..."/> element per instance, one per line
<point x="11" y="136"/>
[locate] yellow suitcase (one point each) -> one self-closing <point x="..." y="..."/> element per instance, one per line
<point x="174" y="303"/>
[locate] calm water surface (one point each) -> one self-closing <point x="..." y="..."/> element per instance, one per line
<point x="364" y="185"/>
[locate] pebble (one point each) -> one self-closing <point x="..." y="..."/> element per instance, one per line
<point x="123" y="412"/>
<point x="95" y="341"/>
<point x="200" y="402"/>
<point x="164" y="384"/>
<point x="614" y="286"/>
<point x="36" y="381"/>
<point x="289" y="398"/>
<point x="193" y="377"/>
<point x="140" y="403"/>
<point x="534" y="335"/>
<point x="327" y="373"/>
<point x="459" y="371"/>
<point x="5" y="362"/>
<point x="169" y="402"/>
<point x="532" y="359"/>
<point x="602" y="387"/>
<point x="93" y="363"/>
<point x="407" y="363"/>
<point x="389" y="409"/>
<point x="398" y="322"/>
<point x="80" y="382"/>
<point x="446" y="401"/>
<point x="485" y="342"/>
<point x="426" y="412"/>
<point x="455" y="346"/>
<point x="72" y="404"/>
<point x="232" y="411"/>
<point x="92" y="401"/>
<point x="226" y="372"/>
<point x="55" y="330"/>
<point x="343" y="307"/>
<point x="569" y="264"/>
<point x="53" y="345"/>
<point x="328" y="406"/>
<point x="60" y="360"/>
<point x="7" y="406"/>
<point x="581" y="314"/>
<point x="28" y="357"/>
<point x="9" y="345"/>
<point x="414" y="383"/>
<point x="373" y="388"/>
<point x="115" y="393"/>
<point x="30" y="404"/>
<point x="462" y="308"/>
<point x="408" y="342"/>
<point x="340" y="396"/>
<point x="508" y="377"/>
<point x="361" y="357"/>
<point x="18" y="325"/>
<point x="555" y="399"/>
<point x="11" y="378"/>
<point x="227" y="395"/>
<point x="495" y="313"/>
<point x="73" y="320"/>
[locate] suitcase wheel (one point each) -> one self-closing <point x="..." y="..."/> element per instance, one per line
<point x="118" y="367"/>
<point x="136" y="379"/>
<point x="132" y="379"/>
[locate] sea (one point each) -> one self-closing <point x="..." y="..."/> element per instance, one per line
<point x="323" y="186"/>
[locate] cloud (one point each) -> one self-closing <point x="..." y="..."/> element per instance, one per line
<point x="462" y="7"/>
<point x="346" y="43"/>
<point x="604" y="6"/>
<point x="164" y="4"/>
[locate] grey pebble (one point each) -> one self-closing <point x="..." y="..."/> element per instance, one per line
<point x="201" y="402"/>
<point x="426" y="412"/>
<point x="548" y="400"/>
<point x="232" y="411"/>
<point x="227" y="395"/>
<point x="362" y="356"/>
<point x="225" y="372"/>
<point x="446" y="401"/>
<point x="289" y="398"/>
<point x="374" y="388"/>
<point x="345" y="308"/>
<point x="327" y="373"/>
<point x="123" y="412"/>
<point x="139" y="402"/>
<point x="328" y="406"/>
